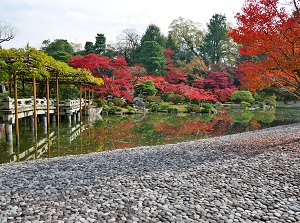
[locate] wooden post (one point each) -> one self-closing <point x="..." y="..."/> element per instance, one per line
<point x="34" y="107"/>
<point x="16" y="110"/>
<point x="84" y="102"/>
<point x="89" y="96"/>
<point x="92" y="94"/>
<point x="48" y="102"/>
<point x="57" y="100"/>
<point x="48" y="144"/>
<point x="81" y="137"/>
<point x="80" y="101"/>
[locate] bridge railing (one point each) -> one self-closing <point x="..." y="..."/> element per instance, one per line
<point x="8" y="103"/>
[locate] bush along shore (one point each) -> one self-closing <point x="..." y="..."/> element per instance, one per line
<point x="246" y="177"/>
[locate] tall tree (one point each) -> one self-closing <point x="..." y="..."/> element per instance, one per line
<point x="128" y="42"/>
<point x="153" y="33"/>
<point x="173" y="75"/>
<point x="187" y="35"/>
<point x="216" y="39"/>
<point x="153" y="58"/>
<point x="269" y="35"/>
<point x="170" y="43"/>
<point x="77" y="47"/>
<point x="89" y="47"/>
<point x="59" y="49"/>
<point x="196" y="68"/>
<point x="100" y="44"/>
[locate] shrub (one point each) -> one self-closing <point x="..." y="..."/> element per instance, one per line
<point x="154" y="107"/>
<point x="261" y="104"/>
<point x="165" y="96"/>
<point x="207" y="107"/>
<point x="163" y="107"/>
<point x="100" y="102"/>
<point x="265" y="98"/>
<point x="130" y="108"/>
<point x="239" y="96"/>
<point x="172" y="110"/>
<point x="155" y="99"/>
<point x="112" y="109"/>
<point x="176" y="98"/>
<point x="148" y="87"/>
<point x="119" y="102"/>
<point x="245" y="104"/>
<point x="193" y="108"/>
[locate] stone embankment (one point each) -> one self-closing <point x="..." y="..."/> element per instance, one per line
<point x="247" y="177"/>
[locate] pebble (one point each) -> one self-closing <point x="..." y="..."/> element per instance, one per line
<point x="246" y="177"/>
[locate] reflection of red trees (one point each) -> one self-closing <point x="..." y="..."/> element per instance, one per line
<point x="218" y="126"/>
<point x="125" y="133"/>
<point x="187" y="127"/>
<point x="222" y="123"/>
<point x="119" y="134"/>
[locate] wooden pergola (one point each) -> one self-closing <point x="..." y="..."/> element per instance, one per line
<point x="35" y="66"/>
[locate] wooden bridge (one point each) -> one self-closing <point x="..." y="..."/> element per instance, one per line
<point x="26" y="109"/>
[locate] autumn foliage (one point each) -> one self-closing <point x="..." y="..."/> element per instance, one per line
<point x="120" y="79"/>
<point x="269" y="38"/>
<point x="115" y="73"/>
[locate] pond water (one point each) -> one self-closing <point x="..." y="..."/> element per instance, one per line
<point x="96" y="134"/>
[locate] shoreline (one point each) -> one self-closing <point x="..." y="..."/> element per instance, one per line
<point x="244" y="177"/>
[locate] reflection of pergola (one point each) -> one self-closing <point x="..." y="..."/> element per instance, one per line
<point x="32" y="69"/>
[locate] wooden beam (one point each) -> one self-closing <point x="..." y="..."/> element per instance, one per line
<point x="34" y="107"/>
<point x="48" y="102"/>
<point x="57" y="100"/>
<point x="16" y="109"/>
<point x="80" y="101"/>
<point x="84" y="101"/>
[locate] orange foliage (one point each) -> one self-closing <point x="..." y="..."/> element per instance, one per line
<point x="269" y="36"/>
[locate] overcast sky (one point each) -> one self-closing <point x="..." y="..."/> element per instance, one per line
<point x="79" y="21"/>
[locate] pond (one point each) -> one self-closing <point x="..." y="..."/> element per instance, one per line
<point x="96" y="134"/>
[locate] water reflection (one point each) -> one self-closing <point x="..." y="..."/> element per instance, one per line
<point x="113" y="132"/>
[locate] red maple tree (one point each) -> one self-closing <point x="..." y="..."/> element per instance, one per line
<point x="217" y="84"/>
<point x="174" y="75"/>
<point x="269" y="38"/>
<point x="115" y="73"/>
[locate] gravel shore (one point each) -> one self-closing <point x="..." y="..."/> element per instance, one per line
<point x="247" y="177"/>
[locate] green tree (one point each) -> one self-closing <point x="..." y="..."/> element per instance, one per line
<point x="89" y="47"/>
<point x="239" y="96"/>
<point x="61" y="56"/>
<point x="215" y="39"/>
<point x="170" y="43"/>
<point x="153" y="33"/>
<point x="187" y="35"/>
<point x="147" y="88"/>
<point x="59" y="49"/>
<point x="100" y="44"/>
<point x="153" y="58"/>
<point x="265" y="98"/>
